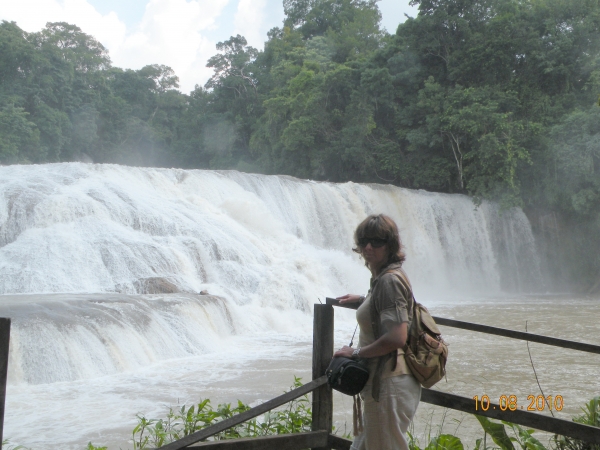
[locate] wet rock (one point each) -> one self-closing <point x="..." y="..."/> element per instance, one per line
<point x="155" y="285"/>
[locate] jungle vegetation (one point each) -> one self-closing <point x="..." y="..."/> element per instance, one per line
<point x="296" y="417"/>
<point x="496" y="99"/>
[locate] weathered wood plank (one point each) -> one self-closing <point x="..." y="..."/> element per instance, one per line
<point x="250" y="414"/>
<point x="538" y="421"/>
<point x="563" y="343"/>
<point x="322" y="398"/>
<point x="339" y="443"/>
<point x="296" y="441"/>
<point x="4" y="344"/>
<point x="335" y="302"/>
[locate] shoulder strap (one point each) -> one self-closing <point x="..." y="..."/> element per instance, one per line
<point x="400" y="274"/>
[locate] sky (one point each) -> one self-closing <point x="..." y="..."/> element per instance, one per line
<point x="181" y="34"/>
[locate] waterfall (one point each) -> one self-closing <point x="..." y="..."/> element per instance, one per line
<point x="87" y="252"/>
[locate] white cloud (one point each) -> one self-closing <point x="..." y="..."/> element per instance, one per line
<point x="249" y="19"/>
<point x="393" y="12"/>
<point x="32" y="15"/>
<point x="170" y="33"/>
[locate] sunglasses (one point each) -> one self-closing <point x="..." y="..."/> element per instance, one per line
<point x="375" y="242"/>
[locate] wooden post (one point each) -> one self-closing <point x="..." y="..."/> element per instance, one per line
<point x="322" y="403"/>
<point x="4" y="341"/>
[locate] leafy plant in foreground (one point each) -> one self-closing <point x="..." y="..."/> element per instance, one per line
<point x="499" y="434"/>
<point x="93" y="447"/>
<point x="154" y="433"/>
<point x="7" y="446"/>
<point x="590" y="416"/>
<point x="296" y="417"/>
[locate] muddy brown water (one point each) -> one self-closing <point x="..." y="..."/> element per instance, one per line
<point x="69" y="415"/>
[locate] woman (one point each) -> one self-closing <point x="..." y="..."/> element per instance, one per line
<point x="392" y="394"/>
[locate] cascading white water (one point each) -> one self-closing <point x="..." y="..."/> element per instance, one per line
<point x="268" y="245"/>
<point x="70" y="337"/>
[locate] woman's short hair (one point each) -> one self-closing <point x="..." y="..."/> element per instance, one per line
<point x="381" y="226"/>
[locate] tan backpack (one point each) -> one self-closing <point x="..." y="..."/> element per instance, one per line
<point x="425" y="351"/>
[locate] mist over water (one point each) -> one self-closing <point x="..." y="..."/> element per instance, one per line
<point x="103" y="228"/>
<point x="270" y="243"/>
<point x="84" y="248"/>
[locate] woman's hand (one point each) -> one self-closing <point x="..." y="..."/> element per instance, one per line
<point x="349" y="298"/>
<point x="344" y="351"/>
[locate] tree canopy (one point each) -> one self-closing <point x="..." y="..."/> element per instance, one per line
<point x="497" y="99"/>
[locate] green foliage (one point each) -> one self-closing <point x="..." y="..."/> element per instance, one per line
<point x="444" y="442"/>
<point x="497" y="432"/>
<point x="576" y="152"/>
<point x="8" y="446"/>
<point x="439" y="442"/>
<point x="524" y="438"/>
<point x="62" y="99"/>
<point x="496" y="99"/>
<point x="19" y="138"/>
<point x="295" y="417"/>
<point x="93" y="447"/>
<point x="590" y="416"/>
<point x="84" y="52"/>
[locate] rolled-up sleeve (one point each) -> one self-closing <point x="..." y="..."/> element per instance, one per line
<point x="392" y="300"/>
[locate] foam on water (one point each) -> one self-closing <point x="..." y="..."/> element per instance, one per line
<point x="268" y="245"/>
<point x="81" y="244"/>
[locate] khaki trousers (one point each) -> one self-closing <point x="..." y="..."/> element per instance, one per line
<point x="386" y="422"/>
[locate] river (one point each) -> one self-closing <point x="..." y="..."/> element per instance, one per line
<point x="254" y="369"/>
<point x="88" y="254"/>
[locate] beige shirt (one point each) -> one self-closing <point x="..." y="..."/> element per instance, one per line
<point x="396" y="303"/>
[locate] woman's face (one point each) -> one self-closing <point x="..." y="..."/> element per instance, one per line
<point x="375" y="252"/>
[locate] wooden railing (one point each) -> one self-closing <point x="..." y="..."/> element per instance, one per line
<point x="320" y="438"/>
<point x="322" y="405"/>
<point x="526" y="418"/>
<point x="186" y="441"/>
<point x="4" y="343"/>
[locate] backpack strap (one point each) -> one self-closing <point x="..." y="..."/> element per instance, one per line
<point x="402" y="276"/>
<point x="394" y="354"/>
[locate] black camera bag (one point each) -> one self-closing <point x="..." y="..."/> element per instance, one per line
<point x="347" y="375"/>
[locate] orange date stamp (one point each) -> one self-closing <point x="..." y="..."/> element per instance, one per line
<point x="511" y="403"/>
